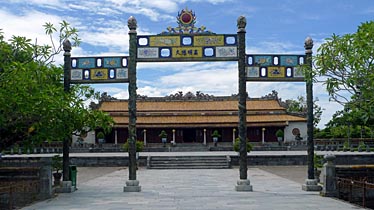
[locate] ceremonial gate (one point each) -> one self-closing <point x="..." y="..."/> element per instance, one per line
<point x="185" y="43"/>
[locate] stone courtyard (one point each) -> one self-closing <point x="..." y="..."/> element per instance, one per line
<point x="273" y="188"/>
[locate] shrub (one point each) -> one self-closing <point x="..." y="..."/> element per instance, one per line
<point x="100" y="135"/>
<point x="346" y="145"/>
<point x="361" y="146"/>
<point x="318" y="161"/>
<point x="163" y="134"/>
<point x="139" y="145"/>
<point x="237" y="145"/>
<point x="279" y="133"/>
<point x="216" y="134"/>
<point x="57" y="163"/>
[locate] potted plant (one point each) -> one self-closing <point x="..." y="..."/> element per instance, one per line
<point x="279" y="134"/>
<point x="345" y="146"/>
<point x="100" y="137"/>
<point x="236" y="145"/>
<point x="139" y="145"/>
<point x="163" y="135"/>
<point x="57" y="167"/>
<point x="361" y="146"/>
<point x="215" y="136"/>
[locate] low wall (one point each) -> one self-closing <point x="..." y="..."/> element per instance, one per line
<point x="24" y="180"/>
<point x="253" y="160"/>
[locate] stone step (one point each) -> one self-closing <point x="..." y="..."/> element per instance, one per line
<point x="188" y="157"/>
<point x="188" y="162"/>
<point x="189" y="167"/>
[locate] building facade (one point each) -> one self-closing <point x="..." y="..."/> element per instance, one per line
<point x="192" y="118"/>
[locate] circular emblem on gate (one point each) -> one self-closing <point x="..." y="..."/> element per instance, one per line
<point x="186" y="17"/>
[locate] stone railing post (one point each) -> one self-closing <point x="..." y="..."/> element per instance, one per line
<point x="329" y="177"/>
<point x="45" y="174"/>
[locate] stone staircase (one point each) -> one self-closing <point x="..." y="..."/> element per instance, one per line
<point x="188" y="162"/>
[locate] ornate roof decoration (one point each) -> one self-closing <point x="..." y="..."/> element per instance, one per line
<point x="189" y="96"/>
<point x="186" y="20"/>
<point x="272" y="95"/>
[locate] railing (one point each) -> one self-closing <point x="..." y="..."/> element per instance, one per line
<point x="359" y="192"/>
<point x="18" y="194"/>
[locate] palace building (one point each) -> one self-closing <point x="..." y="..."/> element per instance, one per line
<point x="192" y="118"/>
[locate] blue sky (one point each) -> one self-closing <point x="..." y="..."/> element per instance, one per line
<point x="273" y="26"/>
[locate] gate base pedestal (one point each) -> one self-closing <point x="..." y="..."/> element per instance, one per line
<point x="132" y="186"/>
<point x="66" y="187"/>
<point x="311" y="185"/>
<point x="243" y="185"/>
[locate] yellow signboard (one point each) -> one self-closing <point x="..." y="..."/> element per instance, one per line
<point x="276" y="72"/>
<point x="218" y="40"/>
<point x="99" y="74"/>
<point x="164" y="41"/>
<point x="187" y="52"/>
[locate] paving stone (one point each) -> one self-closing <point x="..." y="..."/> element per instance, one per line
<point x="188" y="190"/>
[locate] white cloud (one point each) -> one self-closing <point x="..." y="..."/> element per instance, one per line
<point x="29" y="25"/>
<point x="106" y="34"/>
<point x="40" y="2"/>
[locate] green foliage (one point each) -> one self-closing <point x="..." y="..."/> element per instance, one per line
<point x="216" y="134"/>
<point x="34" y="107"/>
<point x="163" y="134"/>
<point x="322" y="133"/>
<point x="139" y="145"/>
<point x="100" y="135"/>
<point x="347" y="64"/>
<point x="57" y="163"/>
<point x="349" y="123"/>
<point x="236" y="145"/>
<point x="299" y="106"/>
<point x="346" y="145"/>
<point x="318" y="161"/>
<point x="279" y="133"/>
<point x="361" y="146"/>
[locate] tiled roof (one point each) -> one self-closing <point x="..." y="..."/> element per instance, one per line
<point x="162" y="106"/>
<point x="200" y="113"/>
<point x="180" y="121"/>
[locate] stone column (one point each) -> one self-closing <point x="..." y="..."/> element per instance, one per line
<point x="329" y="177"/>
<point x="233" y="136"/>
<point x="243" y="183"/>
<point x="145" y="136"/>
<point x="115" y="136"/>
<point x="204" y="136"/>
<point x="263" y="135"/>
<point x="173" y="142"/>
<point x="311" y="183"/>
<point x="45" y="179"/>
<point x="66" y="183"/>
<point x="132" y="185"/>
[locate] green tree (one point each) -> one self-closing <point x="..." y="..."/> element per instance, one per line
<point x="299" y="106"/>
<point x="33" y="105"/>
<point x="347" y="63"/>
<point x="348" y="123"/>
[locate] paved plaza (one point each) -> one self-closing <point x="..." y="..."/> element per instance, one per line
<point x="206" y="189"/>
